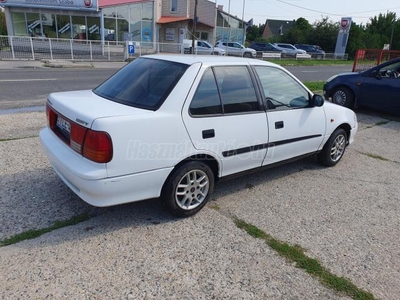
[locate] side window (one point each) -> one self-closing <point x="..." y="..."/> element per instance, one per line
<point x="206" y="100"/>
<point x="174" y="6"/>
<point x="236" y="89"/>
<point x="281" y="91"/>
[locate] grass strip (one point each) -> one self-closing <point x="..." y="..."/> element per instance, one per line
<point x="312" y="62"/>
<point x="18" y="138"/>
<point x="376" y="156"/>
<point x="31" y="234"/>
<point x="312" y="266"/>
<point x="315" y="85"/>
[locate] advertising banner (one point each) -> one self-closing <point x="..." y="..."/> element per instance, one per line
<point x="85" y="5"/>
<point x="343" y="36"/>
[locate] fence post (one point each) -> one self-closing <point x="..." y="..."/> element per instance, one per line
<point x="33" y="51"/>
<point x="51" y="50"/>
<point x="108" y="47"/>
<point x="72" y="50"/>
<point x="90" y="47"/>
<point x="12" y="47"/>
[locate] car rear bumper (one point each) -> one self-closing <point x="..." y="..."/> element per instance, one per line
<point x="90" y="182"/>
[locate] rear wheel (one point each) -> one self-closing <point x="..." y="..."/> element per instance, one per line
<point x="343" y="96"/>
<point x="334" y="148"/>
<point x="188" y="188"/>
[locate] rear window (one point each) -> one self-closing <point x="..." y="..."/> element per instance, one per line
<point x="144" y="83"/>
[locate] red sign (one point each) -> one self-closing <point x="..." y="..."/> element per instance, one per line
<point x="88" y="3"/>
<point x="344" y="23"/>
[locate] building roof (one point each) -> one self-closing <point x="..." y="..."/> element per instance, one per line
<point x="165" y="20"/>
<point x="276" y="27"/>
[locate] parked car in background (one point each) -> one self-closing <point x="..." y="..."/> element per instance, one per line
<point x="265" y="47"/>
<point x="314" y="50"/>
<point x="289" y="50"/>
<point x="236" y="49"/>
<point x="377" y="88"/>
<point x="183" y="123"/>
<point x="201" y="47"/>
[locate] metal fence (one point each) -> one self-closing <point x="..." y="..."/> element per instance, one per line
<point x="37" y="48"/>
<point x="368" y="58"/>
<point x="41" y="48"/>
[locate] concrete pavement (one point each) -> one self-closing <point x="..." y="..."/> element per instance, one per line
<point x="346" y="217"/>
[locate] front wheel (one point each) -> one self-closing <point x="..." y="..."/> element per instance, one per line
<point x="334" y="148"/>
<point x="343" y="96"/>
<point x="188" y="189"/>
<point x="247" y="54"/>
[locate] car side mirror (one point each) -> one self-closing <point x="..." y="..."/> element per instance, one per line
<point x="317" y="100"/>
<point x="376" y="74"/>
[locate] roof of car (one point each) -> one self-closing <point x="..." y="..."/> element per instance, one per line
<point x="208" y="59"/>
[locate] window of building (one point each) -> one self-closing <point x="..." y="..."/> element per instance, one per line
<point x="19" y="23"/>
<point x="174" y="5"/>
<point x="79" y="28"/>
<point x="93" y="28"/>
<point x="33" y="24"/>
<point x="49" y="25"/>
<point x="201" y="35"/>
<point x="64" y="26"/>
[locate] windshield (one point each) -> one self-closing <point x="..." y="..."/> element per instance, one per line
<point x="144" y="83"/>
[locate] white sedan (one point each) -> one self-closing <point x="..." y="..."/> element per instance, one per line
<point x="171" y="126"/>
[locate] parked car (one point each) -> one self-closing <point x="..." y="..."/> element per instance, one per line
<point x="265" y="47"/>
<point x="314" y="50"/>
<point x="236" y="49"/>
<point x="184" y="123"/>
<point x="289" y="50"/>
<point x="201" y="47"/>
<point x="377" y="88"/>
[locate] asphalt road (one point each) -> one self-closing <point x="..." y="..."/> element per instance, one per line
<point x="30" y="87"/>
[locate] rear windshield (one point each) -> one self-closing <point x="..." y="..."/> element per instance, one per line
<point x="144" y="83"/>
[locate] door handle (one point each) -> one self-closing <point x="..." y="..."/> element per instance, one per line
<point x="208" y="134"/>
<point x="279" y="125"/>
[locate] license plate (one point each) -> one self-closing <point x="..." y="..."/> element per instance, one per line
<point x="64" y="125"/>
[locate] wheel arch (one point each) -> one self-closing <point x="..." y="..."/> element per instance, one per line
<point x="347" y="86"/>
<point x="210" y="160"/>
<point x="346" y="127"/>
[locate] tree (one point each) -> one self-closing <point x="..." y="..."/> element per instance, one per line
<point x="324" y="34"/>
<point x="3" y="27"/>
<point x="298" y="33"/>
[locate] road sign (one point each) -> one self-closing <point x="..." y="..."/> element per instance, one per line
<point x="131" y="48"/>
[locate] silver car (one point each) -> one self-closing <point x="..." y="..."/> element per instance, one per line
<point x="288" y="50"/>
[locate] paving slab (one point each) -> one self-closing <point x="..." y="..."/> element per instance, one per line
<point x="135" y="253"/>
<point x="347" y="216"/>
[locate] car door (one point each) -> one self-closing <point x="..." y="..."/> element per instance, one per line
<point x="295" y="128"/>
<point x="381" y="89"/>
<point x="224" y="118"/>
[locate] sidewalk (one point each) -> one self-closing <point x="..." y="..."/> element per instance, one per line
<point x="13" y="64"/>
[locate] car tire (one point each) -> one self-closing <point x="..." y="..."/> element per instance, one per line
<point x="247" y="54"/>
<point x="334" y="148"/>
<point x="188" y="189"/>
<point x="343" y="96"/>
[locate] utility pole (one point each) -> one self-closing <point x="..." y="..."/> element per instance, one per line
<point x="194" y="25"/>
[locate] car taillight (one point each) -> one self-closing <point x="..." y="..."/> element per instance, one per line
<point x="93" y="145"/>
<point x="77" y="137"/>
<point x="51" y="116"/>
<point x="98" y="146"/>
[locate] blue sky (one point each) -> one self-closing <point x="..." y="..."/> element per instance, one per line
<point x="312" y="10"/>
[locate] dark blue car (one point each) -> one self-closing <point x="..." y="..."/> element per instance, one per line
<point x="377" y="88"/>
